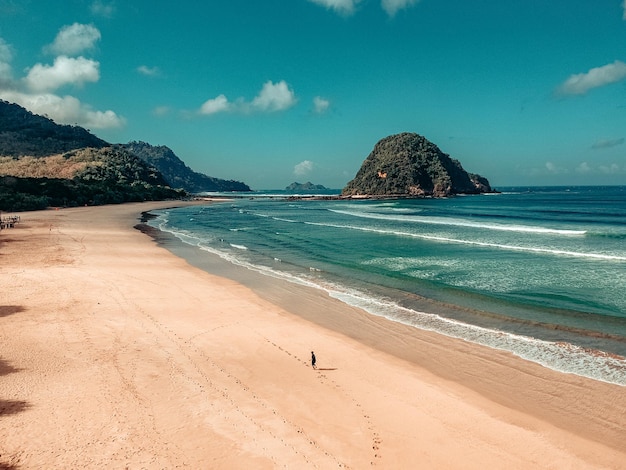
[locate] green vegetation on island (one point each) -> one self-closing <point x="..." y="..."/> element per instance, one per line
<point x="408" y="164"/>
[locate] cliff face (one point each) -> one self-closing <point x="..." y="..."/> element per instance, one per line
<point x="408" y="164"/>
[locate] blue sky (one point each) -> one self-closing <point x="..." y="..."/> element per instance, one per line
<point x="524" y="92"/>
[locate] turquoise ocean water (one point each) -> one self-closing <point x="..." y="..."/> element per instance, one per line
<point x="540" y="272"/>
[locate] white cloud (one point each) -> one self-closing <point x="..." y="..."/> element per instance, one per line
<point x="34" y="91"/>
<point x="348" y="7"/>
<point x="608" y="169"/>
<point x="215" y="105"/>
<point x="149" y="71"/>
<point x="552" y="168"/>
<point x="393" y="6"/>
<point x="103" y="9"/>
<point x="345" y="7"/>
<point x="74" y="39"/>
<point x="581" y="83"/>
<point x="303" y="168"/>
<point x="274" y="97"/>
<point x="320" y="105"/>
<point x="612" y="169"/>
<point x="64" y="110"/>
<point x="64" y="71"/>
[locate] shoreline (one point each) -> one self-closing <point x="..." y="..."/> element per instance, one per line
<point x="308" y="302"/>
<point x="176" y="365"/>
<point x="559" y="347"/>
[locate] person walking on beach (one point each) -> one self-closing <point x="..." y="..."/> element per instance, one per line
<point x="313" y="360"/>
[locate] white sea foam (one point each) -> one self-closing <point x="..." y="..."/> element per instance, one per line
<point x="562" y="357"/>
<point x="528" y="249"/>
<point x="239" y="247"/>
<point x="462" y="223"/>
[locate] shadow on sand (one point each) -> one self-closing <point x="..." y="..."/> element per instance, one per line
<point x="12" y="407"/>
<point x="6" y="368"/>
<point x="6" y="310"/>
<point x="6" y="466"/>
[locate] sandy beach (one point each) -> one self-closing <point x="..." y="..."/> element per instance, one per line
<point x="115" y="353"/>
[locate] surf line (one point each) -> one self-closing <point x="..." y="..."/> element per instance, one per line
<point x="476" y="243"/>
<point x="465" y="223"/>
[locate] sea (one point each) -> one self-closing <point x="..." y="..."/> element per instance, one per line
<point x="536" y="271"/>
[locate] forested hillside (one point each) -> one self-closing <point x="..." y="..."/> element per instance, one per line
<point x="25" y="133"/>
<point x="179" y="175"/>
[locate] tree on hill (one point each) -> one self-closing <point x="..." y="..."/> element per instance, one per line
<point x="25" y="133"/>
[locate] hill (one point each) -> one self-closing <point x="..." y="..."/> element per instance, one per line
<point x="107" y="175"/>
<point x="25" y="133"/>
<point x="408" y="164"/>
<point x="177" y="173"/>
<point x="45" y="164"/>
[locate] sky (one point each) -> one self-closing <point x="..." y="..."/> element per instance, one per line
<point x="268" y="92"/>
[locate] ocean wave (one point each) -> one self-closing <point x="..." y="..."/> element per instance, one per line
<point x="528" y="249"/>
<point x="559" y="356"/>
<point x="462" y="223"/>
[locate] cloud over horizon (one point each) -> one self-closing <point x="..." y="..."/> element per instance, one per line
<point x="303" y="168"/>
<point x="580" y="84"/>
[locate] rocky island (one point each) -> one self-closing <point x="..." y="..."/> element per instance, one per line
<point x="408" y="165"/>
<point x="308" y="186"/>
